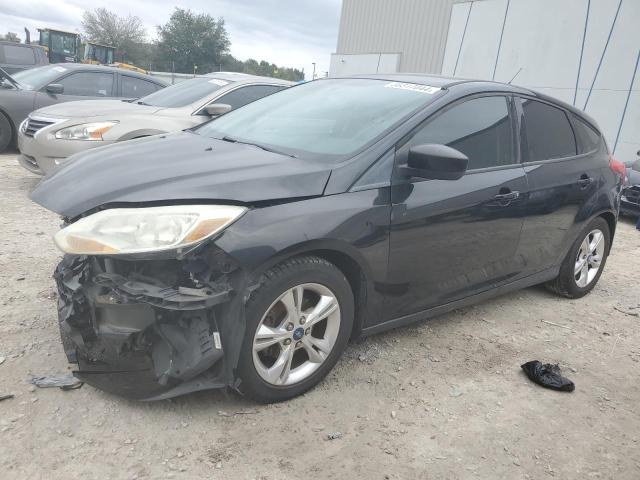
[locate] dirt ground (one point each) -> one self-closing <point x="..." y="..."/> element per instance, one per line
<point x="443" y="399"/>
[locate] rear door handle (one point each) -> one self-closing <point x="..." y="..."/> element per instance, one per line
<point x="585" y="181"/>
<point x="507" y="197"/>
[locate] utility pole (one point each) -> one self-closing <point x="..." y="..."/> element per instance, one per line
<point x="313" y="76"/>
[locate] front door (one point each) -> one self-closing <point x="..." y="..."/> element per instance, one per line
<point x="453" y="238"/>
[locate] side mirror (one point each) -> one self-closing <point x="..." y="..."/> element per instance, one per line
<point x="217" y="109"/>
<point x="55" y="88"/>
<point x="436" y="162"/>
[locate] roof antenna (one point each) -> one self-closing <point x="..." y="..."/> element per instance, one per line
<point x="514" y="77"/>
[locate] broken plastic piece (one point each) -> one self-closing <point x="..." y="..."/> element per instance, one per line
<point x="64" y="381"/>
<point x="6" y="397"/>
<point x="548" y="375"/>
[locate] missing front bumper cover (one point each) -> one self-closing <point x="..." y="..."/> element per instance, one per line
<point x="136" y="335"/>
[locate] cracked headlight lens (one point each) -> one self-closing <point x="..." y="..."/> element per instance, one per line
<point x="86" y="131"/>
<point x="151" y="229"/>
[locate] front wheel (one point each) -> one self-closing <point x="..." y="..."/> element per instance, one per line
<point x="581" y="269"/>
<point x="298" y="323"/>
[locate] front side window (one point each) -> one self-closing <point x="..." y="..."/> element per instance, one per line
<point x="244" y="95"/>
<point x="547" y="132"/>
<point x="88" y="84"/>
<point x="325" y="120"/>
<point x="18" y="55"/>
<point x="136" y="87"/>
<point x="184" y="93"/>
<point x="480" y="128"/>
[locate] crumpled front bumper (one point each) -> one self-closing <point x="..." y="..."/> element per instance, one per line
<point x="145" y="329"/>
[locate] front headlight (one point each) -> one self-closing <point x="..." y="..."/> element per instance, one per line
<point x="138" y="230"/>
<point x="623" y="198"/>
<point x="86" y="131"/>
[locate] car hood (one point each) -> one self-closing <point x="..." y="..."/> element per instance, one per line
<point x="177" y="167"/>
<point x="95" y="108"/>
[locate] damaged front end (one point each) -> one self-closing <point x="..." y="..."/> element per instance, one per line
<point x="150" y="329"/>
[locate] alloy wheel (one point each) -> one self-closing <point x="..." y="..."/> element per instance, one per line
<point x="589" y="258"/>
<point x="296" y="334"/>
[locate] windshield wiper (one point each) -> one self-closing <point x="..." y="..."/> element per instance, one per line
<point x="227" y="138"/>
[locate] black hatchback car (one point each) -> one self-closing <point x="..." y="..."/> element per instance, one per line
<point x="247" y="252"/>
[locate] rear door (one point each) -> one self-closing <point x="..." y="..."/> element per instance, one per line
<point x="84" y="85"/>
<point x="564" y="171"/>
<point x="452" y="239"/>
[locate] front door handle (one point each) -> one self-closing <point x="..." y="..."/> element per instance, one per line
<point x="507" y="197"/>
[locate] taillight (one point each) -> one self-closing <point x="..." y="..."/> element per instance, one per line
<point x="617" y="167"/>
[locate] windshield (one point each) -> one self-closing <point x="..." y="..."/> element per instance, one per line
<point x="184" y="93"/>
<point x="36" y="78"/>
<point x="322" y="119"/>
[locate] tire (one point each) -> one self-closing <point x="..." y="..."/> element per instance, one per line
<point x="567" y="283"/>
<point x="319" y="281"/>
<point x="6" y="132"/>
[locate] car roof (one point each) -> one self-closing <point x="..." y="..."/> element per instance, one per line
<point x="235" y="77"/>
<point x="467" y="86"/>
<point x="106" y="68"/>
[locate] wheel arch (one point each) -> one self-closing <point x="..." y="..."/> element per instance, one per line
<point x="14" y="128"/>
<point x="612" y="221"/>
<point x="346" y="258"/>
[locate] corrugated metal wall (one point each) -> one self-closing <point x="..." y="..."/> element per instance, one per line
<point x="415" y="28"/>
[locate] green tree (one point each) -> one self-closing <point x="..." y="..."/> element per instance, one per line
<point x="189" y="39"/>
<point x="123" y="33"/>
<point x="10" y="37"/>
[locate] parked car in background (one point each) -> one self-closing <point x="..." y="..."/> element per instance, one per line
<point x="15" y="57"/>
<point x="52" y="134"/>
<point x="630" y="200"/>
<point x="247" y="251"/>
<point x="28" y="90"/>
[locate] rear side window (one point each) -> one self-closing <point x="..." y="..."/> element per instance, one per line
<point x="18" y="55"/>
<point x="480" y="128"/>
<point x="88" y="84"/>
<point x="136" y="87"/>
<point x="245" y="95"/>
<point x="588" y="138"/>
<point x="548" y="133"/>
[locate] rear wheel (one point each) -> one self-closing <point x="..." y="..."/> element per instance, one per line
<point x="298" y="323"/>
<point x="585" y="262"/>
<point x="6" y="132"/>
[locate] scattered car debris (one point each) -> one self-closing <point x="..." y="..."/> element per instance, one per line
<point x="6" y="397"/>
<point x="65" y="381"/>
<point x="555" y="324"/>
<point x="334" y="435"/>
<point x="548" y="376"/>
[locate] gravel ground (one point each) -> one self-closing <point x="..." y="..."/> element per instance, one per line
<point x="444" y="399"/>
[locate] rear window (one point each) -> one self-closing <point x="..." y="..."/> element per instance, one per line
<point x="16" y="55"/>
<point x="548" y="133"/>
<point x="184" y="93"/>
<point x="588" y="138"/>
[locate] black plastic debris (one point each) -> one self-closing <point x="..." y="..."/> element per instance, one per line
<point x="548" y="375"/>
<point x="6" y="397"/>
<point x="65" y="381"/>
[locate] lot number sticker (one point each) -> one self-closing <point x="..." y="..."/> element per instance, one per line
<point x="413" y="87"/>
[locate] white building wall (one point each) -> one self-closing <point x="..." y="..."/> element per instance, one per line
<point x="415" y="29"/>
<point x="547" y="43"/>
